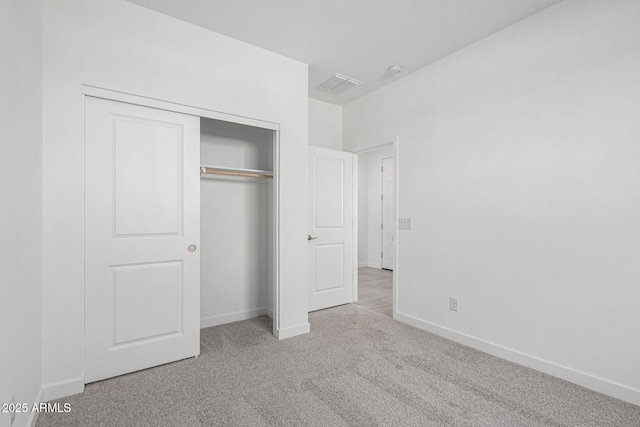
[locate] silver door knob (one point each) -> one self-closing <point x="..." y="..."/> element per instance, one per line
<point x="192" y="248"/>
<point x="310" y="238"/>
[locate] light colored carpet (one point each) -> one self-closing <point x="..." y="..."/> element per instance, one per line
<point x="356" y="368"/>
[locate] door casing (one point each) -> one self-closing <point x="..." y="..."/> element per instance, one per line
<point x="388" y="221"/>
<point x="394" y="142"/>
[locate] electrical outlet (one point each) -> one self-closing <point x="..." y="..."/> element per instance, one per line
<point x="12" y="407"/>
<point x="453" y="303"/>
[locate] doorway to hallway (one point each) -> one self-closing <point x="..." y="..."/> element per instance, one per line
<point x="375" y="290"/>
<point x="376" y="208"/>
<point x="377" y="228"/>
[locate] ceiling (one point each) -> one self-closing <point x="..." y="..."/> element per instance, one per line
<point x="357" y="38"/>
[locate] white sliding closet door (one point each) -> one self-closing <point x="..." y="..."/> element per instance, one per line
<point x="331" y="261"/>
<point x="142" y="230"/>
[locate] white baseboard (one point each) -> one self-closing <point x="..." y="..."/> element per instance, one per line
<point x="62" y="389"/>
<point x="363" y="264"/>
<point x="372" y="265"/>
<point x="208" y="322"/>
<point x="292" y="331"/>
<point x="269" y="313"/>
<point x="33" y="416"/>
<point x="583" y="379"/>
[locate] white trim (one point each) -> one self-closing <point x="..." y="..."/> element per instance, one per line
<point x="377" y="266"/>
<point x="62" y="389"/>
<point x="33" y="416"/>
<point x="175" y="107"/>
<point x="237" y="316"/>
<point x="396" y="197"/>
<point x="83" y="199"/>
<point x="354" y="227"/>
<point x="382" y="202"/>
<point x="292" y="331"/>
<point x="376" y="145"/>
<point x="275" y="301"/>
<point x="566" y="373"/>
<point x="269" y="313"/>
<point x="363" y="264"/>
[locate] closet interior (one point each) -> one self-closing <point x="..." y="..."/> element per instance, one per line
<point x="236" y="216"/>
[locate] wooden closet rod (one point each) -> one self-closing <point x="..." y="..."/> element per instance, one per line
<point x="210" y="171"/>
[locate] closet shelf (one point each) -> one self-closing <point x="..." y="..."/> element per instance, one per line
<point x="250" y="173"/>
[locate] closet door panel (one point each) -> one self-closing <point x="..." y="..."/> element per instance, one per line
<point x="148" y="176"/>
<point x="142" y="231"/>
<point x="132" y="284"/>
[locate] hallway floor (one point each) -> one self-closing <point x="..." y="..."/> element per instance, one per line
<point x="375" y="290"/>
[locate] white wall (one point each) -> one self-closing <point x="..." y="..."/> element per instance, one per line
<point x="21" y="206"/>
<point x="325" y="125"/>
<point x="235" y="242"/>
<point x="120" y="46"/>
<point x="518" y="162"/>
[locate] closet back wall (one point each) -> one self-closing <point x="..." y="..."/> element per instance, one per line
<point x="235" y="224"/>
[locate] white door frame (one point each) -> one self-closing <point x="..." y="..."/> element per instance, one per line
<point x="112" y="95"/>
<point x="394" y="142"/>
<point x="382" y="217"/>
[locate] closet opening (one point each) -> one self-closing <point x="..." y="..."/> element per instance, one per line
<point x="181" y="228"/>
<point x="237" y="221"/>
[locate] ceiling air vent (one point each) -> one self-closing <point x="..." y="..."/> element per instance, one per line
<point x="338" y="84"/>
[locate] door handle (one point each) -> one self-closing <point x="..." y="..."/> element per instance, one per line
<point x="310" y="238"/>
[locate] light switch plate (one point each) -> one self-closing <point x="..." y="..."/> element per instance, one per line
<point x="405" y="223"/>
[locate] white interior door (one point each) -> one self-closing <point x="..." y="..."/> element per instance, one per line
<point x="388" y="215"/>
<point x="331" y="228"/>
<point x="142" y="229"/>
